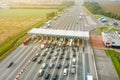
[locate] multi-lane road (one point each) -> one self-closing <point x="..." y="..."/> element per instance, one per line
<point x="67" y="21"/>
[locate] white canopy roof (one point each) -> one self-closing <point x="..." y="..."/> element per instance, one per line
<point x="62" y="33"/>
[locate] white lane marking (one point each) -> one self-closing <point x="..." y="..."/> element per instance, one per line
<point x="62" y="64"/>
<point x="55" y="65"/>
<point x="19" y="64"/>
<point x="32" y="66"/>
<point x="40" y="66"/>
<point x="8" y="58"/>
<point x="77" y="66"/>
<point x="68" y="78"/>
<point x="14" y="62"/>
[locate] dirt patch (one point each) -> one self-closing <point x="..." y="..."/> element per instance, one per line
<point x="96" y="42"/>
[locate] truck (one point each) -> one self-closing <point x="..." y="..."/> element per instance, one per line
<point x="73" y="70"/>
<point x="26" y="41"/>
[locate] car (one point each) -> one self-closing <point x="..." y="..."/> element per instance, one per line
<point x="66" y="65"/>
<point x="58" y="66"/>
<point x="49" y="56"/>
<point x="51" y="66"/>
<point x="61" y="57"/>
<point x="40" y="73"/>
<point x="11" y="63"/>
<point x="54" y="58"/>
<point x="39" y="61"/>
<point x="37" y="55"/>
<point x="51" y="51"/>
<point x="43" y="54"/>
<point x="74" y="55"/>
<point x="54" y="77"/>
<point x="67" y="57"/>
<point x="47" y="75"/>
<point x="73" y="61"/>
<point x="62" y="53"/>
<point x="44" y="65"/>
<point x="34" y="59"/>
<point x="56" y="54"/>
<point x="65" y="72"/>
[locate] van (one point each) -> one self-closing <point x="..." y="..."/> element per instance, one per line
<point x="73" y="61"/>
<point x="44" y="65"/>
<point x="73" y="70"/>
<point x="65" y="72"/>
<point x="40" y="72"/>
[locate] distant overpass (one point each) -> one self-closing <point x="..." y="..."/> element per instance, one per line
<point x="60" y="33"/>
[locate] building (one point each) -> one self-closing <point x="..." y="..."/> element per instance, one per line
<point x="111" y="39"/>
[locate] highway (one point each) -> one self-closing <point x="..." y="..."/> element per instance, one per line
<point x="67" y="21"/>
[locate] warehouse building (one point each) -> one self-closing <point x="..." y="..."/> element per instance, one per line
<point x="111" y="39"/>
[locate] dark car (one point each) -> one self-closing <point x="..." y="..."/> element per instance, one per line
<point x="62" y="53"/>
<point x="34" y="59"/>
<point x="74" y="55"/>
<point x="10" y="65"/>
<point x="49" y="56"/>
<point x="58" y="66"/>
<point x="67" y="57"/>
<point x="54" y="77"/>
<point x="47" y="75"/>
<point x="43" y="54"/>
<point x="66" y="65"/>
<point x="61" y="57"/>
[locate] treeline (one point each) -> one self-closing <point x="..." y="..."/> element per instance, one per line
<point x="95" y="8"/>
<point x="52" y="14"/>
<point x="68" y="3"/>
<point x="60" y="9"/>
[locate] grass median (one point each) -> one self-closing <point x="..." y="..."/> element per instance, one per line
<point x="115" y="57"/>
<point x="13" y="43"/>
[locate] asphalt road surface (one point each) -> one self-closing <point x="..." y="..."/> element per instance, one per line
<point x="67" y="21"/>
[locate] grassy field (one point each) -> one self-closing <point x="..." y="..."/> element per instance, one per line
<point x="14" y="21"/>
<point x="104" y="29"/>
<point x="111" y="6"/>
<point x="14" y="24"/>
<point x="25" y="12"/>
<point x="115" y="57"/>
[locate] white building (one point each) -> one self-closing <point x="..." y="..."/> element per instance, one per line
<point x="111" y="39"/>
